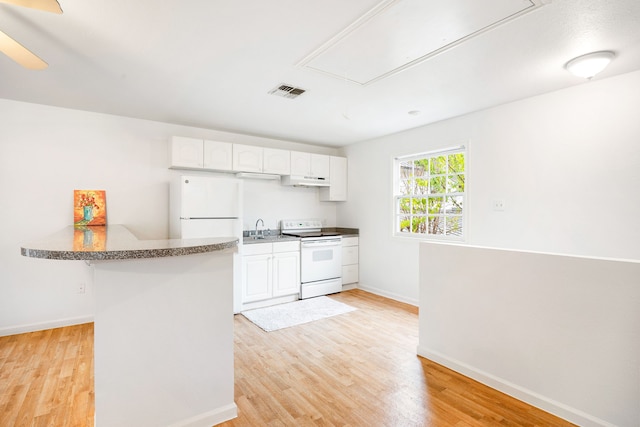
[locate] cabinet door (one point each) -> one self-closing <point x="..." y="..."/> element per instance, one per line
<point x="350" y="241"/>
<point x="349" y="255"/>
<point x="320" y="166"/>
<point x="247" y="158"/>
<point x="256" y="277"/>
<point x="186" y="152"/>
<point x="218" y="155"/>
<point x="286" y="273"/>
<point x="337" y="190"/>
<point x="276" y="161"/>
<point x="349" y="274"/>
<point x="300" y="163"/>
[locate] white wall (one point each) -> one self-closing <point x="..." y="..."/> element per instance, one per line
<point x="560" y="332"/>
<point x="566" y="163"/>
<point x="272" y="202"/>
<point x="47" y="152"/>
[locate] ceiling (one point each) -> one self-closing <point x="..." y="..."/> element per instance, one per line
<point x="364" y="64"/>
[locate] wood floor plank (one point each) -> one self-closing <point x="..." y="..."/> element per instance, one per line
<point x="355" y="369"/>
<point x="42" y="372"/>
<point x="361" y="369"/>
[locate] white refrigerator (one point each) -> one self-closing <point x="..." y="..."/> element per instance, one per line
<point x="202" y="206"/>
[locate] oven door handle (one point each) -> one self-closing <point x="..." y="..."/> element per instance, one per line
<point x="320" y="243"/>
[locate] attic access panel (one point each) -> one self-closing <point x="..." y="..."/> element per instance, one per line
<point x="397" y="34"/>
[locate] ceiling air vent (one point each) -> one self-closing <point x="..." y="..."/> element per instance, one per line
<point x="287" y="91"/>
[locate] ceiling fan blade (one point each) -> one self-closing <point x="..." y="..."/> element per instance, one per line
<point x="47" y="5"/>
<point x="20" y="54"/>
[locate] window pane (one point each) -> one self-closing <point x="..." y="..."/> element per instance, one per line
<point x="418" y="225"/>
<point x="419" y="206"/>
<point x="438" y="185"/>
<point x="406" y="187"/>
<point x="406" y="170"/>
<point x="421" y="167"/>
<point x="455" y="183"/>
<point x="435" y="205"/>
<point x="436" y="225"/>
<point x="422" y="186"/>
<point x="454" y="204"/>
<point x="438" y="165"/>
<point x="456" y="163"/>
<point x="403" y="224"/>
<point x="454" y="225"/>
<point x="404" y="205"/>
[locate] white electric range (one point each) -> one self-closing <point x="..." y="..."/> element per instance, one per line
<point x="320" y="257"/>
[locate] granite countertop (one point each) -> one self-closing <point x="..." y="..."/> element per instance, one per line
<point x="249" y="240"/>
<point x="270" y="238"/>
<point x="344" y="232"/>
<point x="116" y="242"/>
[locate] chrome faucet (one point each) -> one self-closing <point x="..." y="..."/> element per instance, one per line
<point x="261" y="231"/>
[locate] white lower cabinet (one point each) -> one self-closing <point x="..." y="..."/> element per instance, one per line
<point x="270" y="270"/>
<point x="350" y="263"/>
<point x="286" y="273"/>
<point x="256" y="277"/>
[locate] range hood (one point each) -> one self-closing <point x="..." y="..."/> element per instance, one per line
<point x="304" y="181"/>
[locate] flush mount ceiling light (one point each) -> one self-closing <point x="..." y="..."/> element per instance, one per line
<point x="590" y="64"/>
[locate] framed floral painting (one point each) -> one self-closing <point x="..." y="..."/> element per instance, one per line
<point x="89" y="207"/>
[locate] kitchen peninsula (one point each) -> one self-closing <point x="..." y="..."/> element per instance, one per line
<point x="163" y="345"/>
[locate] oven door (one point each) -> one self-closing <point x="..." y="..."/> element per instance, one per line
<point x="320" y="259"/>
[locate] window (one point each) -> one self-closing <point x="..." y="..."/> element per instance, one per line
<point x="429" y="194"/>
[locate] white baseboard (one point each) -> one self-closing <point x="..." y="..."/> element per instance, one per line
<point x="41" y="326"/>
<point x="546" y="404"/>
<point x="210" y="418"/>
<point x="389" y="295"/>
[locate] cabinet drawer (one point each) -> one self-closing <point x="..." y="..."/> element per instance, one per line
<point x="349" y="274"/>
<point x="350" y="255"/>
<point x="349" y="241"/>
<point x="257" y="249"/>
<point x="291" y="246"/>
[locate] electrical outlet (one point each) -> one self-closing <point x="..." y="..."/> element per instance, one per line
<point x="498" y="205"/>
<point x="82" y="288"/>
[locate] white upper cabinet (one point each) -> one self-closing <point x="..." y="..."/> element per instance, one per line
<point x="276" y="161"/>
<point x="320" y="166"/>
<point x="337" y="190"/>
<point x="192" y="153"/>
<point x="186" y="152"/>
<point x="307" y="164"/>
<point x="218" y="155"/>
<point x="247" y="158"/>
<point x="300" y="163"/>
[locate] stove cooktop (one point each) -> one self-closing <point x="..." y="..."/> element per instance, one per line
<point x="305" y="234"/>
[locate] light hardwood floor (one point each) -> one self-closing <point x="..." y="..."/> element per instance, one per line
<point x="356" y="369"/>
<point x="46" y="378"/>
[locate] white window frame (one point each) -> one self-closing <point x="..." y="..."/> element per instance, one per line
<point x="397" y="161"/>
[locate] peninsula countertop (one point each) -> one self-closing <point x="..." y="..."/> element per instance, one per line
<point x="116" y="242"/>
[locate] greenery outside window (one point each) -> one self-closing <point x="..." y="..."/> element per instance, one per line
<point x="429" y="195"/>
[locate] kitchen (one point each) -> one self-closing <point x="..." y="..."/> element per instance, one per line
<point x="303" y="256"/>
<point x="45" y="149"/>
